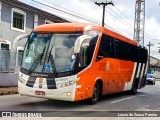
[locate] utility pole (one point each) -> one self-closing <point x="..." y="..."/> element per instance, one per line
<point x="149" y="46"/>
<point x="159" y="49"/>
<point x="104" y="6"/>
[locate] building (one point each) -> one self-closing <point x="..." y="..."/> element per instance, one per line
<point x="17" y="18"/>
<point x="155" y="66"/>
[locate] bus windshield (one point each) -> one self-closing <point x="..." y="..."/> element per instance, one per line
<point x="49" y="52"/>
<point x="54" y="52"/>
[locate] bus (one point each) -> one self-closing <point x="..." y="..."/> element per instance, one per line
<point x="76" y="61"/>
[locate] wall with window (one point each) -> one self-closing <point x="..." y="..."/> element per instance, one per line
<point x="41" y="21"/>
<point x="15" y="22"/>
<point x="12" y="20"/>
<point x="48" y="21"/>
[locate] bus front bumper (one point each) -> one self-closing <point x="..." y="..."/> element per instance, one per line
<point x="66" y="93"/>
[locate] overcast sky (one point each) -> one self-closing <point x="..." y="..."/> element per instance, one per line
<point x="114" y="18"/>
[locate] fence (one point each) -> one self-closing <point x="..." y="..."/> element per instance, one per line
<point x="10" y="61"/>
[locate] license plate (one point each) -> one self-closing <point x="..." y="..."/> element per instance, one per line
<point x="40" y="93"/>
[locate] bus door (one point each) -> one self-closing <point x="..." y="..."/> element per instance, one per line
<point x="85" y="46"/>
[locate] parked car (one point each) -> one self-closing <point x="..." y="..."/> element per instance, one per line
<point x="150" y="79"/>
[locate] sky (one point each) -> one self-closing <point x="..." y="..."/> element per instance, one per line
<point x="119" y="17"/>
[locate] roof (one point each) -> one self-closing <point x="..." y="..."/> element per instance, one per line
<point x="31" y="9"/>
<point x="74" y="27"/>
<point x="154" y="61"/>
<point x="58" y="27"/>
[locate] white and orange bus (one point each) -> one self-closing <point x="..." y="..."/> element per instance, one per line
<point x="73" y="61"/>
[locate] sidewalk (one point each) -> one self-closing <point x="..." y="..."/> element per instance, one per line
<point x="8" y="90"/>
<point x="157" y="79"/>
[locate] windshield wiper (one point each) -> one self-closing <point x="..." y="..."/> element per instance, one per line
<point x="52" y="62"/>
<point x="37" y="60"/>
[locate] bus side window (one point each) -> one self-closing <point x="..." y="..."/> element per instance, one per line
<point x="87" y="51"/>
<point x="106" y="48"/>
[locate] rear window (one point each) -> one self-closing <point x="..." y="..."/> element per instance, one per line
<point x="149" y="75"/>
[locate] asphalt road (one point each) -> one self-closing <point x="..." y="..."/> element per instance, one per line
<point x="147" y="99"/>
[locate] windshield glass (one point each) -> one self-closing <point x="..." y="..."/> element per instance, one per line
<point x="54" y="52"/>
<point x="61" y="52"/>
<point x="50" y="52"/>
<point x="34" y="51"/>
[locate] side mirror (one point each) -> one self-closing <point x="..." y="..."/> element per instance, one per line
<point x="79" y="41"/>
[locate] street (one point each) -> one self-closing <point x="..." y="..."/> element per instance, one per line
<point x="147" y="99"/>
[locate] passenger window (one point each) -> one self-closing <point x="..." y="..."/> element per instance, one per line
<point x="114" y="48"/>
<point x="106" y="48"/>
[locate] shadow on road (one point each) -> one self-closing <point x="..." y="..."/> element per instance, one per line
<point x="118" y="96"/>
<point x="65" y="105"/>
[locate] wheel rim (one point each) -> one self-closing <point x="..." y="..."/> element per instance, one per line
<point x="96" y="93"/>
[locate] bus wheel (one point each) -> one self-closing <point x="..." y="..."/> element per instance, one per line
<point x="96" y="94"/>
<point x="133" y="91"/>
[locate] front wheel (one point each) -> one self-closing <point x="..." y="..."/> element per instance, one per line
<point x="95" y="95"/>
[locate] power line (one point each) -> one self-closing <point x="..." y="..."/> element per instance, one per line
<point x="77" y="16"/>
<point x="119" y="20"/>
<point x="129" y="24"/>
<point x="95" y="21"/>
<point x="131" y="21"/>
<point x="71" y="14"/>
<point x="124" y="15"/>
<point x="104" y="6"/>
<point x="60" y="10"/>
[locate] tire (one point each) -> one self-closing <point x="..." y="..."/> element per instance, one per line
<point x="152" y="83"/>
<point x="96" y="94"/>
<point x="133" y="91"/>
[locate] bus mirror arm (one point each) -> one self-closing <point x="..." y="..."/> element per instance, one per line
<point x="18" y="39"/>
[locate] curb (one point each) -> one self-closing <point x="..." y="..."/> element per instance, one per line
<point x="8" y="91"/>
